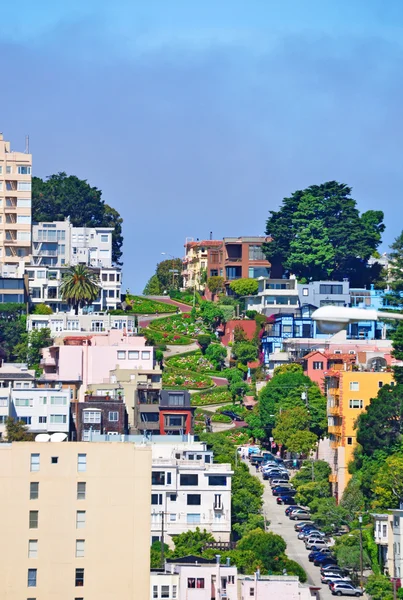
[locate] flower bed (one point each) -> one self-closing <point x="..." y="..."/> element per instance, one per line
<point x="216" y="396"/>
<point x="145" y="306"/>
<point x="193" y="361"/>
<point x="185" y="380"/>
<point x="158" y="337"/>
<point x="215" y="417"/>
<point x="182" y="324"/>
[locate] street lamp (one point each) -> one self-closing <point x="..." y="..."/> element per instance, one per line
<point x="361" y="554"/>
<point x="332" y="319"/>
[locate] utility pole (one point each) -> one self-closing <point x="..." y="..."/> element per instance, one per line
<point x="162" y="541"/>
<point x="361" y="554"/>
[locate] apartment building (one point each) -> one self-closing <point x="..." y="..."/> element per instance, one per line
<point x="15" y="204"/>
<point x="62" y="324"/>
<point x="58" y="243"/>
<point x="78" y="521"/>
<point x="324" y="293"/>
<point x="44" y="287"/>
<point x="104" y="413"/>
<point x="348" y="394"/>
<point x="383" y="534"/>
<point x="275" y="296"/>
<point x="189" y="491"/>
<point x="195" y="261"/>
<point x="90" y="359"/>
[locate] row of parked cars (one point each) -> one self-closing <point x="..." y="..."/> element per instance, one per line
<point x="316" y="541"/>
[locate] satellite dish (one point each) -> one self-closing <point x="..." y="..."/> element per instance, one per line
<point x="58" y="437"/>
<point x="42" y="437"/>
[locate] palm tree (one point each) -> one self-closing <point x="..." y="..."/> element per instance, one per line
<point x="80" y="286"/>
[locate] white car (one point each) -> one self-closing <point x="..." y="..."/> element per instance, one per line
<point x="315" y="544"/>
<point x="333" y="577"/>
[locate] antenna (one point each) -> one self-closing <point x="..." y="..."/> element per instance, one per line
<point x="27" y="144"/>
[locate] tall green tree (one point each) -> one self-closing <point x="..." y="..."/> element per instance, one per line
<point x="12" y="328"/>
<point x="328" y="213"/>
<point x="29" y="349"/>
<point x="388" y="483"/>
<point x="153" y="287"/>
<point x="80" y="286"/>
<point x="215" y="284"/>
<point x="169" y="274"/>
<point x="396" y="272"/>
<point x="61" y="196"/>
<point x="17" y="431"/>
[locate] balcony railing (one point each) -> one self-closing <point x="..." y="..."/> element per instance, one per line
<point x="335" y="429"/>
<point x="333" y="410"/>
<point x="333" y="478"/>
<point x="334" y="444"/>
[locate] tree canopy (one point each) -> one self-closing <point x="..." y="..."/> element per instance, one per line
<point x="61" y="196"/>
<point x="80" y="286"/>
<point x="318" y="233"/>
<point x="244" y="287"/>
<point x="169" y="274"/>
<point x="396" y="272"/>
<point x="215" y="284"/>
<point x="152" y="287"/>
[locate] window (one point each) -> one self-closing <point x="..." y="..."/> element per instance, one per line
<point x="81" y="463"/>
<point x="134" y="354"/>
<point x="169" y="478"/>
<point x="156" y="499"/>
<point x="58" y="400"/>
<point x="356" y="403"/>
<point x="217" y="501"/>
<point x="92" y="416"/>
<point x="200" y="583"/>
<point x="113" y="416"/>
<point x="191" y="582"/>
<point x="8" y="170"/>
<point x="111" y="293"/>
<point x="318" y="366"/>
<point x="80" y="519"/>
<point x="192" y="518"/>
<point x="194" y="499"/>
<point x="54" y="460"/>
<point x="174" y="421"/>
<point x="33" y="519"/>
<point x="42" y="419"/>
<point x="354" y="386"/>
<point x="174" y="591"/>
<point x="330" y="289"/>
<point x="251" y="591"/>
<point x="155" y="591"/>
<point x="158" y="478"/>
<point x="172" y="497"/>
<point x="81" y="489"/>
<point x="384" y="531"/>
<point x="111" y="276"/>
<point x="104" y="277"/>
<point x="349" y="441"/>
<point x="23" y="203"/>
<point x="104" y="238"/>
<point x="23" y="170"/>
<point x="33" y="549"/>
<point x="380" y="384"/>
<point x="217" y="480"/>
<point x="231" y="579"/>
<point x="32" y="577"/>
<point x="145" y="355"/>
<point x="305" y="291"/>
<point x="80" y="546"/>
<point x="121" y="355"/>
<point x="79" y="577"/>
<point x="172" y="517"/>
<point x="23" y="402"/>
<point x="58" y="418"/>
<point x="35" y="462"/>
<point x="23" y="236"/>
<point x="256" y="253"/>
<point x="188" y="479"/>
<point x="165" y="591"/>
<point x="34" y="490"/>
<point x="176" y="399"/>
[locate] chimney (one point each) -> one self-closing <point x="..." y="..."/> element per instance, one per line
<point x="228" y="562"/>
<point x="217" y="558"/>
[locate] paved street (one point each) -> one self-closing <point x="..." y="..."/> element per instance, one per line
<point x="282" y="525"/>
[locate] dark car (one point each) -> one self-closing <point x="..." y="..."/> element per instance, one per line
<point x="323" y="560"/>
<point x="315" y="553"/>
<point x="233" y="415"/>
<point x="272" y="475"/>
<point x="286" y="499"/>
<point x="289" y="509"/>
<point x="279" y="489"/>
<point x="307" y="527"/>
<point x="299" y="526"/>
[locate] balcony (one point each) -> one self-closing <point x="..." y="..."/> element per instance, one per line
<point x="333" y="410"/>
<point x="334" y="429"/>
<point x="333" y="478"/>
<point x="335" y="444"/>
<point x="233" y="260"/>
<point x="48" y="361"/>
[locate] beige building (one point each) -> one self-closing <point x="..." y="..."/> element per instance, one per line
<point x="15" y="205"/>
<point x="78" y="521"/>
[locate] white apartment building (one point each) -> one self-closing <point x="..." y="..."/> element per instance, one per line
<point x="42" y="410"/>
<point x="15" y="204"/>
<point x="44" y="287"/>
<point x="189" y="491"/>
<point x="58" y="243"/>
<point x="66" y="323"/>
<point x="274" y="296"/>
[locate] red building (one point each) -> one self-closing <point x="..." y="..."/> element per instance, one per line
<point x="175" y="413"/>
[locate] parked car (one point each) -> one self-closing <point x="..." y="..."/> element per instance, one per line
<point x="324" y="559"/>
<point x="326" y="568"/>
<point x="332" y="577"/>
<point x="283" y="481"/>
<point x="289" y="510"/>
<point x="346" y="589"/>
<point x="286" y="499"/>
<point x="300" y="515"/>
<point x="314" y="553"/>
<point x="277" y="491"/>
<point x="307" y="528"/>
<point x="300" y="526"/>
<point x="315" y="543"/>
<point x="256" y="458"/>
<point x="311" y="533"/>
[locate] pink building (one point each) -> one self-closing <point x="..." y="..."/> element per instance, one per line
<point x="88" y="360"/>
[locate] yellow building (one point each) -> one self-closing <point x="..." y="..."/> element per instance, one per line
<point x="195" y="263"/>
<point x="76" y="521"/>
<point x="348" y="394"/>
<point x="15" y="205"/>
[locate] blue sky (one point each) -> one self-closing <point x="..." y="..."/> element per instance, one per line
<point x="201" y="115"/>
